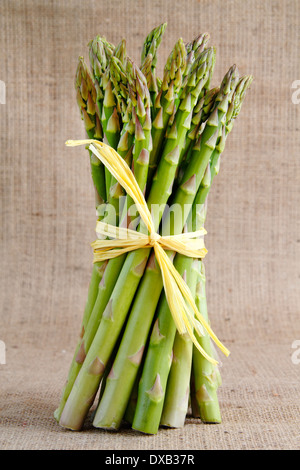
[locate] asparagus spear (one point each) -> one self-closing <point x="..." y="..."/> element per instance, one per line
<point x="119" y="80"/>
<point x="144" y="306"/>
<point x="206" y="377"/>
<point x="140" y="98"/>
<point x="164" y="106"/>
<point x="175" y="404"/>
<point x="194" y="49"/>
<point x="139" y="106"/>
<point x="200" y="114"/>
<point x="100" y="53"/>
<point x="87" y="93"/>
<point x="152" y="43"/>
<point x="114" y="193"/>
<point x="149" y="60"/>
<point x="151" y="390"/>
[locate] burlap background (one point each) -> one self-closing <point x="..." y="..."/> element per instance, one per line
<point x="48" y="217"/>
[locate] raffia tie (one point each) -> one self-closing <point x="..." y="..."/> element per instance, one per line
<point x="182" y="306"/>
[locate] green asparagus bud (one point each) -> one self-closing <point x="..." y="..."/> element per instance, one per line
<point x="164" y="106"/>
<point x="194" y="49"/>
<point x="149" y="60"/>
<point x="200" y="114"/>
<point x="139" y="99"/>
<point x="87" y="92"/>
<point x="100" y="52"/>
<point x="152" y="43"/>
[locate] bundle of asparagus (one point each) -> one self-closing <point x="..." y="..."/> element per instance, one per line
<point x="171" y="132"/>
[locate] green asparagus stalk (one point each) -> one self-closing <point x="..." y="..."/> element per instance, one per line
<point x="206" y="377"/>
<point x="152" y="43"/>
<point x="87" y="94"/>
<point x="149" y="60"/>
<point x="115" y="192"/>
<point x="140" y="98"/>
<point x="139" y="102"/>
<point x="119" y="80"/>
<point x="151" y="390"/>
<point x="158" y="359"/>
<point x="176" y="398"/>
<point x="195" y="48"/>
<point x="200" y="114"/>
<point x="164" y="105"/>
<point x="177" y="391"/>
<point x="148" y="412"/>
<point x="133" y="342"/>
<point x="100" y="53"/>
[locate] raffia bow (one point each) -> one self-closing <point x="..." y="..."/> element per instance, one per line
<point x="182" y="306"/>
